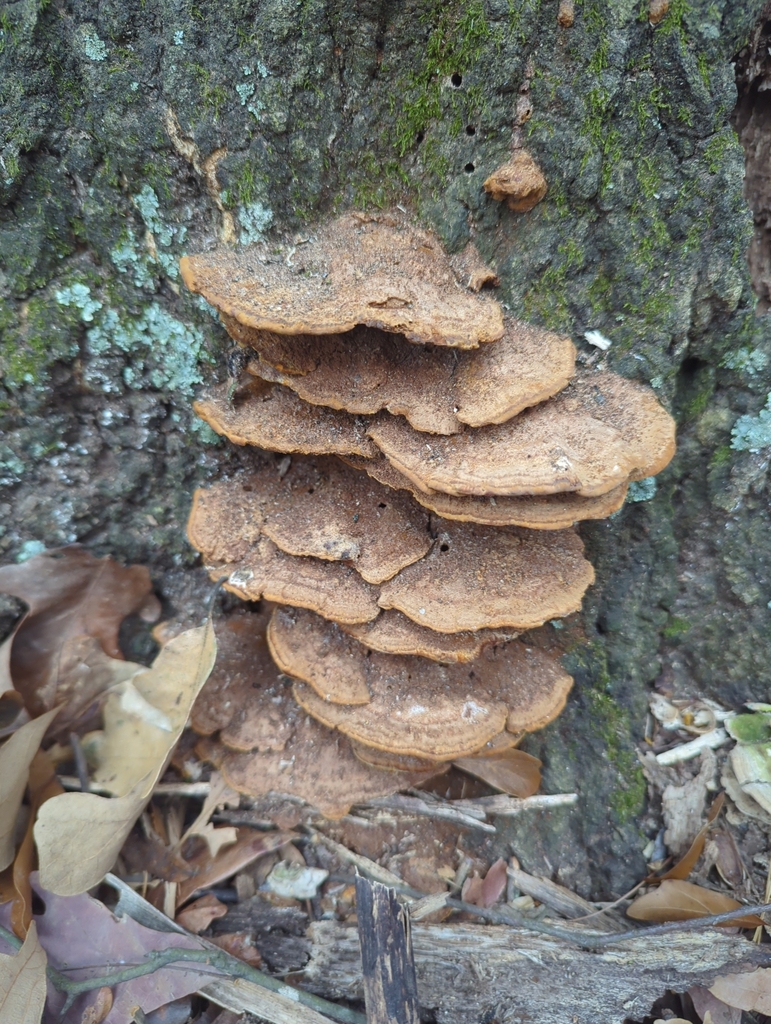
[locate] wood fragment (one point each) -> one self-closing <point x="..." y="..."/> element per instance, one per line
<point x="687" y="751"/>
<point x="556" y="897"/>
<point x="388" y="968"/>
<point x="511" y="806"/>
<point x="471" y="818"/>
<point x="612" y="985"/>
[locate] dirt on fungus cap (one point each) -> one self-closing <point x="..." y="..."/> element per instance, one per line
<point x="225" y="525"/>
<point x="437" y="390"/>
<point x="481" y="578"/>
<point x="377" y="270"/>
<point x="534" y="511"/>
<point x="440" y="712"/>
<point x="597" y="434"/>
<point x="325" y="509"/>
<point x="520" y="182"/>
<point x="316" y="764"/>
<point x="393" y="633"/>
<point x="273" y="417"/>
<point x="242" y="695"/>
<point x="308" y="647"/>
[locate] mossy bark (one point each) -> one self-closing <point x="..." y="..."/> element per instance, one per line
<point x="136" y="131"/>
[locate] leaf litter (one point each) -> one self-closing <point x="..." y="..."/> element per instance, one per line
<point x="63" y="659"/>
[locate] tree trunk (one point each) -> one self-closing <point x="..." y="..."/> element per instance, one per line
<point x="139" y="130"/>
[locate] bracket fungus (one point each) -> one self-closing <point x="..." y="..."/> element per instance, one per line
<point x="417" y="513"/>
<point x="520" y="182"/>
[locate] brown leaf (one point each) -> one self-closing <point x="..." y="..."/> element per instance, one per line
<point x="248" y="847"/>
<point x="16" y="755"/>
<point x="511" y="771"/>
<point x="727" y="859"/>
<point x="43" y="785"/>
<point x="23" y="982"/>
<point x="239" y="944"/>
<point x="676" y="900"/>
<point x="711" y="1009"/>
<point x="199" y="915"/>
<point x="70" y="593"/>
<point x="688" y="861"/>
<point x="98" y="1010"/>
<point x="750" y="991"/>
<point x="494" y="884"/>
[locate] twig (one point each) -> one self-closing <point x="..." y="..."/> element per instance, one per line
<point x="510" y="806"/>
<point x="687" y="751"/>
<point x="189" y="789"/>
<point x="218" y="959"/>
<point x="438" y="810"/>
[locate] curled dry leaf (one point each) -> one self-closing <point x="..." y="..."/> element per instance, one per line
<point x="91" y="828"/>
<point x="70" y="593"/>
<point x="675" y="900"/>
<point x="750" y="991"/>
<point x="23" y="982"/>
<point x="15" y="758"/>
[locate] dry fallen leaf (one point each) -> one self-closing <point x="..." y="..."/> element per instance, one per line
<point x="239" y="945"/>
<point x="199" y="915"/>
<point x="70" y="593"/>
<point x="484" y="892"/>
<point x="79" y="932"/>
<point x="92" y="828"/>
<point x="23" y="982"/>
<point x="43" y="786"/>
<point x="750" y="991"/>
<point x="711" y="1009"/>
<point x="15" y="758"/>
<point x="207" y="870"/>
<point x="675" y="900"/>
<point x="511" y="771"/>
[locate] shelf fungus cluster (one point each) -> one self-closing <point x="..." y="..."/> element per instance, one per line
<point x="425" y="459"/>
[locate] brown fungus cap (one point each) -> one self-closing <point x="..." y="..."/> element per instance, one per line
<point x="533" y="511"/>
<point x="308" y="647"/>
<point x="377" y="270"/>
<point x="325" y="509"/>
<point x="440" y="712"/>
<point x="225" y="525"/>
<point x="242" y="695"/>
<point x="597" y="434"/>
<point x="389" y="762"/>
<point x="316" y="765"/>
<point x="482" y="578"/>
<point x="520" y="182"/>
<point x="435" y="389"/>
<point x="393" y="633"/>
<point x="270" y="416"/>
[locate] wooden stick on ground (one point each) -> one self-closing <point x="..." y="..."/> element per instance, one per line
<point x="390" y="985"/>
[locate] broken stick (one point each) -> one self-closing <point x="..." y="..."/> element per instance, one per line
<point x="390" y="985"/>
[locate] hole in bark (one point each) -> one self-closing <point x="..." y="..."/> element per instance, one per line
<point x="468" y="168"/>
<point x="456" y="80"/>
<point x="470" y="129"/>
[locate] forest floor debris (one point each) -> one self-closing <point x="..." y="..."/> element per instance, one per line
<point x="260" y="891"/>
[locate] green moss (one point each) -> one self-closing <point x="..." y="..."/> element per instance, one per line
<point x="675" y="628"/>
<point x="718" y="148"/>
<point x="721" y="456"/>
<point x="459" y="35"/>
<point x="213" y="95"/>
